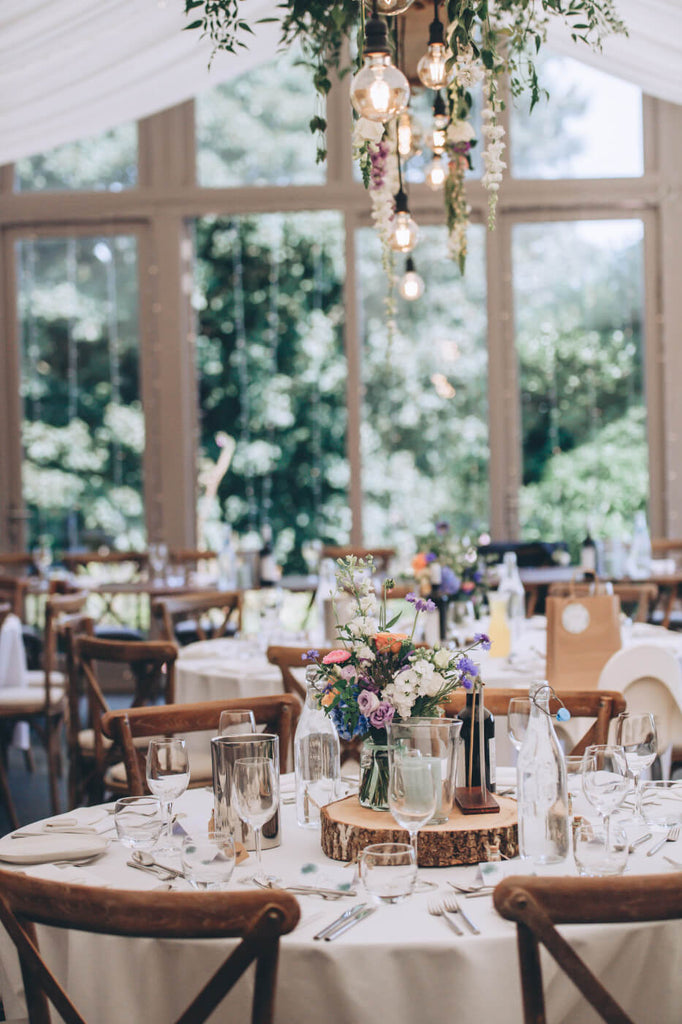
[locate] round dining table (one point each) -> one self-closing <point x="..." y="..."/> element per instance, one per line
<point x="401" y="965"/>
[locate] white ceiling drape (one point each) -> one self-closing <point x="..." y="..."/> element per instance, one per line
<point x="73" y="68"/>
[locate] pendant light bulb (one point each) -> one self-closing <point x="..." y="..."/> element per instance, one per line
<point x="436" y="137"/>
<point x="404" y="232"/>
<point x="436" y="174"/>
<point x="409" y="136"/>
<point x="431" y="69"/>
<point x="392" y="7"/>
<point x="380" y="90"/>
<point x="411" y="285"/>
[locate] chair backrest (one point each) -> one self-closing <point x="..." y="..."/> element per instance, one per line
<point x="15" y="562"/>
<point x="152" y="664"/>
<point x="13" y="591"/>
<point x="288" y="658"/>
<point x="5" y="610"/>
<point x="382" y="556"/>
<point x="258" y="918"/>
<point x="598" y="706"/>
<point x="650" y="678"/>
<point x="60" y="608"/>
<point x="640" y="597"/>
<point x="278" y="714"/>
<point x="538" y="904"/>
<point x="171" y="610"/>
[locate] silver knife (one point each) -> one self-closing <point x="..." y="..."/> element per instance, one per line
<point x="351" y="912"/>
<point x="467" y="920"/>
<point x="314" y="890"/>
<point x="158" y="872"/>
<point x="349" y="923"/>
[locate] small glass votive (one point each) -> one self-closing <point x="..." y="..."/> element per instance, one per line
<point x="208" y="860"/>
<point x="661" y="803"/>
<point x="388" y="871"/>
<point x="574" y="780"/>
<point x="139" y="821"/>
<point x="593" y="858"/>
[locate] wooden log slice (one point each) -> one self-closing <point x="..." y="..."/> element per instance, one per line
<point x="347" y="828"/>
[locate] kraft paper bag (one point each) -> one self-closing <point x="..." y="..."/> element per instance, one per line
<point x="582" y="634"/>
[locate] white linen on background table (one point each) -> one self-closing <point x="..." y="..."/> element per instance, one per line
<point x="401" y="965"/>
<point x="13" y="671"/>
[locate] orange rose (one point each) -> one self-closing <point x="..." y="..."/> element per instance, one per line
<point x="328" y="698"/>
<point x="419" y="562"/>
<point x="389" y="641"/>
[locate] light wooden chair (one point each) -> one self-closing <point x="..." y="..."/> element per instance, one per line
<point x="600" y="707"/>
<point x="257" y="918"/>
<point x="194" y="609"/>
<point x="640" y="598"/>
<point x="13" y="592"/>
<point x="152" y="668"/>
<point x="537" y="905"/>
<point x="278" y="714"/>
<point x="77" y="561"/>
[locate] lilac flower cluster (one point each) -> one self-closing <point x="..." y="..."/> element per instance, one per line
<point x="421" y="604"/>
<point x="379" y="712"/>
<point x="469" y="670"/>
<point x="483" y="640"/>
<point x="377" y="156"/>
<point x="450" y="582"/>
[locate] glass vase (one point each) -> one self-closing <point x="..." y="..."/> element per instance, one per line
<point x="374" y="775"/>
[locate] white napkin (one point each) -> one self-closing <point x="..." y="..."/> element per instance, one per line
<point x="67" y="874"/>
<point x="13" y="671"/>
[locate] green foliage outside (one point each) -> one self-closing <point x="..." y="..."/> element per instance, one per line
<point x="107" y="161"/>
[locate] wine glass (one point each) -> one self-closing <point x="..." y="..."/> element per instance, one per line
<point x="158" y="561"/>
<point x="237" y="723"/>
<point x="414" y="790"/>
<point x="167" y="777"/>
<point x="42" y="558"/>
<point x="255" y="790"/>
<point x="636" y="734"/>
<point x="605" y="780"/>
<point x="518" y="714"/>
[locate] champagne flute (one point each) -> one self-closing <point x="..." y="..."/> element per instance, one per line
<point x="237" y="723"/>
<point x="518" y="714"/>
<point x="167" y="777"/>
<point x="605" y="780"/>
<point x="414" y="791"/>
<point x="255" y="789"/>
<point x="636" y="734"/>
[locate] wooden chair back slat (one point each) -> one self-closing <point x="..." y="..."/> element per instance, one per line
<point x="13" y="591"/>
<point x="642" y="595"/>
<point x="172" y="610"/>
<point x="73" y="561"/>
<point x="538" y="904"/>
<point x="258" y="918"/>
<point x="278" y="714"/>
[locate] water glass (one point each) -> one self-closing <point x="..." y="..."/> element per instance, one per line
<point x="605" y="779"/>
<point x="661" y="803"/>
<point x="139" y="821"/>
<point x="518" y="714"/>
<point x="256" y="796"/>
<point x="388" y="871"/>
<point x="237" y="723"/>
<point x="598" y="855"/>
<point x="574" y="780"/>
<point x="167" y="775"/>
<point x="208" y="860"/>
<point x="636" y="734"/>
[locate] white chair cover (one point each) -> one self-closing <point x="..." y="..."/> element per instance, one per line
<point x="13" y="672"/>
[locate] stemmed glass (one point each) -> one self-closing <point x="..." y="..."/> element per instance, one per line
<point x="255" y="790"/>
<point x="167" y="777"/>
<point x="518" y="714"/>
<point x="158" y="561"/>
<point x="237" y="723"/>
<point x="42" y="558"/>
<point x="414" y="791"/>
<point x="605" y="781"/>
<point x="636" y="734"/>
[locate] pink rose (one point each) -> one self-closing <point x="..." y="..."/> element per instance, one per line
<point x="336" y="657"/>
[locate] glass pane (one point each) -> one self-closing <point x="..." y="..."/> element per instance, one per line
<point x="243" y="122"/>
<point x="83" y="427"/>
<point x="425" y="420"/>
<point x="579" y="311"/>
<point x="591" y="127"/>
<point x="272" y="379"/>
<point x="105" y="162"/>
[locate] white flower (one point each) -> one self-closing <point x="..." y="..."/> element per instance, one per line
<point x="363" y="652"/>
<point x="469" y="70"/>
<point x="368" y="605"/>
<point x="441" y="658"/>
<point x="372" y="131"/>
<point x="460" y="131"/>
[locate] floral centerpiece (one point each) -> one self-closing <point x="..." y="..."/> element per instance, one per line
<point x="377" y="676"/>
<point x="450" y="564"/>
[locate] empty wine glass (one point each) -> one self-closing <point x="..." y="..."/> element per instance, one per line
<point x="636" y="734"/>
<point x="167" y="777"/>
<point x="237" y="723"/>
<point x="42" y="558"/>
<point x="158" y="561"/>
<point x="518" y="714"/>
<point x="255" y="790"/>
<point x="414" y="790"/>
<point x="605" y="780"/>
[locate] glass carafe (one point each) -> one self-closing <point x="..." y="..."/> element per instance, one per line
<point x="541" y="786"/>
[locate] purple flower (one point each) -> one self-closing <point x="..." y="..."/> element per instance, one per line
<point x="449" y="583"/>
<point x="442" y="527"/>
<point x="382" y="715"/>
<point x="420" y="603"/>
<point x="311" y="655"/>
<point x="477" y="577"/>
<point x="468" y="667"/>
<point x="483" y="640"/>
<point x="367" y="702"/>
<point x="348" y="672"/>
<point x="430" y="557"/>
<point x="467" y="683"/>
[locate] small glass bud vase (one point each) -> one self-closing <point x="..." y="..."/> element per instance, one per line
<point x="374" y="775"/>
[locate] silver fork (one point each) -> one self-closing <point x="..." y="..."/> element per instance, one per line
<point x="672" y="836"/>
<point x="451" y="905"/>
<point x="437" y="908"/>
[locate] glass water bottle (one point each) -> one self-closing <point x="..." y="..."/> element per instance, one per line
<point x="541" y="786"/>
<point x="317" y="761"/>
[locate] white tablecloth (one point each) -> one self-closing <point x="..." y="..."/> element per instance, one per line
<point x="400" y="966"/>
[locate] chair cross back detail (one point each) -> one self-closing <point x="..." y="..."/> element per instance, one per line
<point x="172" y="610"/>
<point x="258" y="918"/>
<point x="538" y="904"/>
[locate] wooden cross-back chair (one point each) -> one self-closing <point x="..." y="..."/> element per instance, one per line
<point x="601" y="706"/>
<point x="73" y="561"/>
<point x="171" y="611"/>
<point x="13" y="592"/>
<point x="257" y="918"/>
<point x="151" y="665"/>
<point x="278" y="714"/>
<point x="538" y="904"/>
<point x="639" y="597"/>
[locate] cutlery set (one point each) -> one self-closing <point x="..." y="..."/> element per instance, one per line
<point x="347" y="920"/>
<point x="450" y="909"/>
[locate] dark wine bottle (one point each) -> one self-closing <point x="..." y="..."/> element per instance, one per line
<point x="588" y="556"/>
<point x="267" y="571"/>
<point x="465" y="716"/>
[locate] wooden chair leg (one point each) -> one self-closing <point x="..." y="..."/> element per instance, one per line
<point x="29" y="761"/>
<point x="52" y="751"/>
<point x="7" y="796"/>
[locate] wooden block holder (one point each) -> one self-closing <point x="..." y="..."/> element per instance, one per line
<point x="476" y="800"/>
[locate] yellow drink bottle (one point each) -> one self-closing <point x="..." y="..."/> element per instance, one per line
<point x="499" y="631"/>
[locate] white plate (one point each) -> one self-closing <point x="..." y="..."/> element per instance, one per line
<point x="42" y="849"/>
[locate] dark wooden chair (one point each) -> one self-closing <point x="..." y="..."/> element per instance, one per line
<point x="600" y="706"/>
<point x="151" y="665"/>
<point x="257" y="918"/>
<point x="195" y="611"/>
<point x="538" y="904"/>
<point x="278" y="714"/>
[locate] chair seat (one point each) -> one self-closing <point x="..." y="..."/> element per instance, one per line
<point x="201" y="771"/>
<point x="30" y="701"/>
<point x="36" y="677"/>
<point x="86" y="742"/>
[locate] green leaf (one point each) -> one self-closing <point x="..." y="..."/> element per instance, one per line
<point x="194" y="24"/>
<point x="488" y="59"/>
